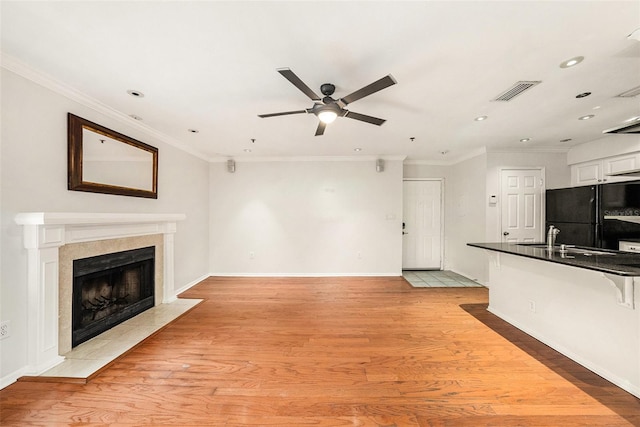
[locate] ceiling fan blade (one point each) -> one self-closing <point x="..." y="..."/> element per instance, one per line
<point x="321" y="127"/>
<point x="290" y="75"/>
<point x="374" y="87"/>
<point x="365" y="118"/>
<point x="282" y="114"/>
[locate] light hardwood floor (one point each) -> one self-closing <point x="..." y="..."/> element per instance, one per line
<point x="331" y="352"/>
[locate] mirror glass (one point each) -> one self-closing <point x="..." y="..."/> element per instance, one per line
<point x="101" y="160"/>
<point x="109" y="161"/>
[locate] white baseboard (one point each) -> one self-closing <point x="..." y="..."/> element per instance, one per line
<point x="12" y="377"/>
<point x="187" y="286"/>
<point x="241" y="274"/>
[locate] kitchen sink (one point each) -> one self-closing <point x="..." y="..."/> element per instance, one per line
<point x="570" y="249"/>
<point x="585" y="251"/>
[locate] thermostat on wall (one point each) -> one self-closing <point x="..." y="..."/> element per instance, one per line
<point x="493" y="199"/>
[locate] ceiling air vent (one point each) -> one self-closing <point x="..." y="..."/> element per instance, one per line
<point x="630" y="93"/>
<point x="515" y="90"/>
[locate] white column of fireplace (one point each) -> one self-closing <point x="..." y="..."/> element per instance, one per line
<point x="44" y="233"/>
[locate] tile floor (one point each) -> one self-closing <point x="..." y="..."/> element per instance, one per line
<point x="438" y="279"/>
<point x="87" y="358"/>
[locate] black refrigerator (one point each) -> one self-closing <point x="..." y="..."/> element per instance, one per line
<point x="574" y="211"/>
<point x="584" y="214"/>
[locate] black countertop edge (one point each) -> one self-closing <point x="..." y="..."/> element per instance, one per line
<point x="614" y="262"/>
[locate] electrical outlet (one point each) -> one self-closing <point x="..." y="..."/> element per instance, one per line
<point x="252" y="255"/>
<point x="4" y="330"/>
<point x="359" y="255"/>
<point x="532" y="306"/>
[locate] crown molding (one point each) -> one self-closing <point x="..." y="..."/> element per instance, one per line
<point x="530" y="150"/>
<point x="265" y="159"/>
<point x="466" y="156"/>
<point x="18" y="67"/>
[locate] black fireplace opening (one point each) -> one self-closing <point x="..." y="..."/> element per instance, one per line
<point x="109" y="289"/>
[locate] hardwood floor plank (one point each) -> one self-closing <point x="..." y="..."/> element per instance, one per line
<point x="331" y="351"/>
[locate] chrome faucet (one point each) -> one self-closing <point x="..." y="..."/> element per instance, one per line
<point x="551" y="237"/>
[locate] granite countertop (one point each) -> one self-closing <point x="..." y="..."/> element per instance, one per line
<point x="606" y="261"/>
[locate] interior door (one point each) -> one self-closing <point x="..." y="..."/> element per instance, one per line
<point x="521" y="213"/>
<point x="422" y="225"/>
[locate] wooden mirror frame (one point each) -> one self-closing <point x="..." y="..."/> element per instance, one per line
<point x="76" y="182"/>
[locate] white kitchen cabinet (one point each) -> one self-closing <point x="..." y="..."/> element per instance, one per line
<point x="587" y="173"/>
<point x="602" y="171"/>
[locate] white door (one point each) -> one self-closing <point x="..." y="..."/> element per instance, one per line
<point x="521" y="212"/>
<point x="422" y="225"/>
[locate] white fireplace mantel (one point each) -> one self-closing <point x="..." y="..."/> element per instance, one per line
<point x="44" y="233"/>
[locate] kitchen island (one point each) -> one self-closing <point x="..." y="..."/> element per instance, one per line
<point x="583" y="302"/>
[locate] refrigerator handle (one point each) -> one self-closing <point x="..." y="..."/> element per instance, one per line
<point x="597" y="237"/>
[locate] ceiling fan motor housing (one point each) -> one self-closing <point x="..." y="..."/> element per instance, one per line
<point x="327" y="89"/>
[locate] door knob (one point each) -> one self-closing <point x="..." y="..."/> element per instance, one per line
<point x="506" y="233"/>
<point x="404" y="232"/>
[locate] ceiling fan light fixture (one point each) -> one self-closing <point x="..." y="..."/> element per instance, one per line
<point x="327" y="116"/>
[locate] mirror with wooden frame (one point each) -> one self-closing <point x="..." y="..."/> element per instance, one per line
<point x="101" y="160"/>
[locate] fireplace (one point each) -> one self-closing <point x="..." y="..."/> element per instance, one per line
<point x="109" y="289"/>
<point x="53" y="240"/>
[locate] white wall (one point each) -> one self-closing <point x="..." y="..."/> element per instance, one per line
<point x="34" y="179"/>
<point x="417" y="170"/>
<point x="465" y="220"/>
<point x="306" y="218"/>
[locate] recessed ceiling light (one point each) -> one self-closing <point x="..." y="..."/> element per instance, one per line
<point x="357" y="149"/>
<point x="133" y="116"/>
<point x="480" y="118"/>
<point x="193" y="130"/>
<point x="583" y="95"/>
<point x="135" y="93"/>
<point x="525" y="140"/>
<point x="571" y="62"/>
<point x="587" y="117"/>
<point x="412" y="138"/>
<point x="597" y="107"/>
<point x="565" y="140"/>
<point x="247" y="150"/>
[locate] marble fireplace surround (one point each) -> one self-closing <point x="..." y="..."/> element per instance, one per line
<point x="53" y="240"/>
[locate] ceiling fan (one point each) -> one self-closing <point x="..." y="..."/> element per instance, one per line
<point x="327" y="109"/>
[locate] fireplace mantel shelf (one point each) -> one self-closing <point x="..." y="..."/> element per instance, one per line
<point x="70" y="218"/>
<point x="45" y="232"/>
<point x="48" y="229"/>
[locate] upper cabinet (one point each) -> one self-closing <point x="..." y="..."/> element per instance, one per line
<point x="624" y="167"/>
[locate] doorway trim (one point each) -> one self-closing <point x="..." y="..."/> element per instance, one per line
<point x="543" y="188"/>
<point x="442" y="221"/>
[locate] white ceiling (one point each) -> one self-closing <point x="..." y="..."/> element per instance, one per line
<point x="211" y="66"/>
